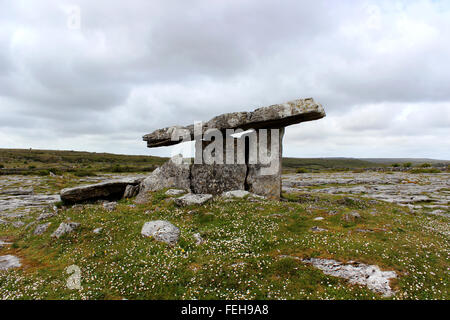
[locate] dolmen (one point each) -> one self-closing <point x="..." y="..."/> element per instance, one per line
<point x="233" y="151"/>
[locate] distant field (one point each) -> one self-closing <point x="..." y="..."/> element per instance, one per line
<point x="26" y="161"/>
<point x="327" y="163"/>
<point x="42" y="162"/>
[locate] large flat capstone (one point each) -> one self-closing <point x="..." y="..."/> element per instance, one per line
<point x="275" y="116"/>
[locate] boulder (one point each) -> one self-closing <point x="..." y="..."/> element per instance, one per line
<point x="193" y="199"/>
<point x="64" y="228"/>
<point x="172" y="174"/>
<point x="8" y="262"/>
<point x="217" y="178"/>
<point x="162" y="231"/>
<point x="113" y="189"/>
<point x="40" y="229"/>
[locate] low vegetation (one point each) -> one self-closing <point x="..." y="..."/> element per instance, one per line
<point x="250" y="251"/>
<point x="45" y="162"/>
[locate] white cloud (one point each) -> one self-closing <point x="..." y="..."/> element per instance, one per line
<point x="380" y="68"/>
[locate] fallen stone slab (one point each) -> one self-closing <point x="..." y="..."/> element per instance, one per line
<point x="113" y="189"/>
<point x="162" y="231"/>
<point x="357" y="273"/>
<point x="274" y="116"/>
<point x="193" y="199"/>
<point x="64" y="228"/>
<point x="9" y="261"/>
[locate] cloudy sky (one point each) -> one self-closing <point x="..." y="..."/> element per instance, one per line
<point x="121" y="69"/>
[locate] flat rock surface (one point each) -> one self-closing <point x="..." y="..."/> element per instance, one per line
<point x="357" y="273"/>
<point x="193" y="199"/>
<point x="8" y="262"/>
<point x="416" y="191"/>
<point x="275" y="116"/>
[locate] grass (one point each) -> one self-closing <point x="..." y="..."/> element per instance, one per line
<point x="42" y="162"/>
<point x="241" y="256"/>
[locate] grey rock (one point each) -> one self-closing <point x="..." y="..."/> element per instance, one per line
<point x="97" y="230"/>
<point x="45" y="216"/>
<point x="131" y="191"/>
<point x="198" y="239"/>
<point x="193" y="199"/>
<point x="235" y="194"/>
<point x="3" y="243"/>
<point x="162" y="231"/>
<point x="9" y="261"/>
<point x="40" y="229"/>
<point x="105" y="190"/>
<point x="352" y="216"/>
<point x="172" y="174"/>
<point x="318" y="229"/>
<point x="357" y="273"/>
<point x="110" y="206"/>
<point x="318" y="219"/>
<point x="217" y="178"/>
<point x="175" y="192"/>
<point x="17" y="192"/>
<point x="64" y="228"/>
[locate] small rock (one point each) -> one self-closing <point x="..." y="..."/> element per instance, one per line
<point x="3" y="243"/>
<point x="18" y="224"/>
<point x="351" y="216"/>
<point x="8" y="262"/>
<point x="40" y="229"/>
<point x="364" y="230"/>
<point x="318" y="229"/>
<point x="162" y="231"/>
<point x="318" y="219"/>
<point x="193" y="199"/>
<point x="98" y="230"/>
<point x="174" y="192"/>
<point x="65" y="227"/>
<point x="198" y="239"/>
<point x="235" y="194"/>
<point x="110" y="206"/>
<point x="45" y="216"/>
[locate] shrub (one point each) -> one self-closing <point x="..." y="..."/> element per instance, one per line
<point x="426" y="165"/>
<point x="407" y="165"/>
<point x="301" y="170"/>
<point x="2" y="166"/>
<point x="396" y="165"/>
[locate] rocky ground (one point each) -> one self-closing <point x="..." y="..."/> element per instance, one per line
<point x="334" y="236"/>
<point x="418" y="192"/>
